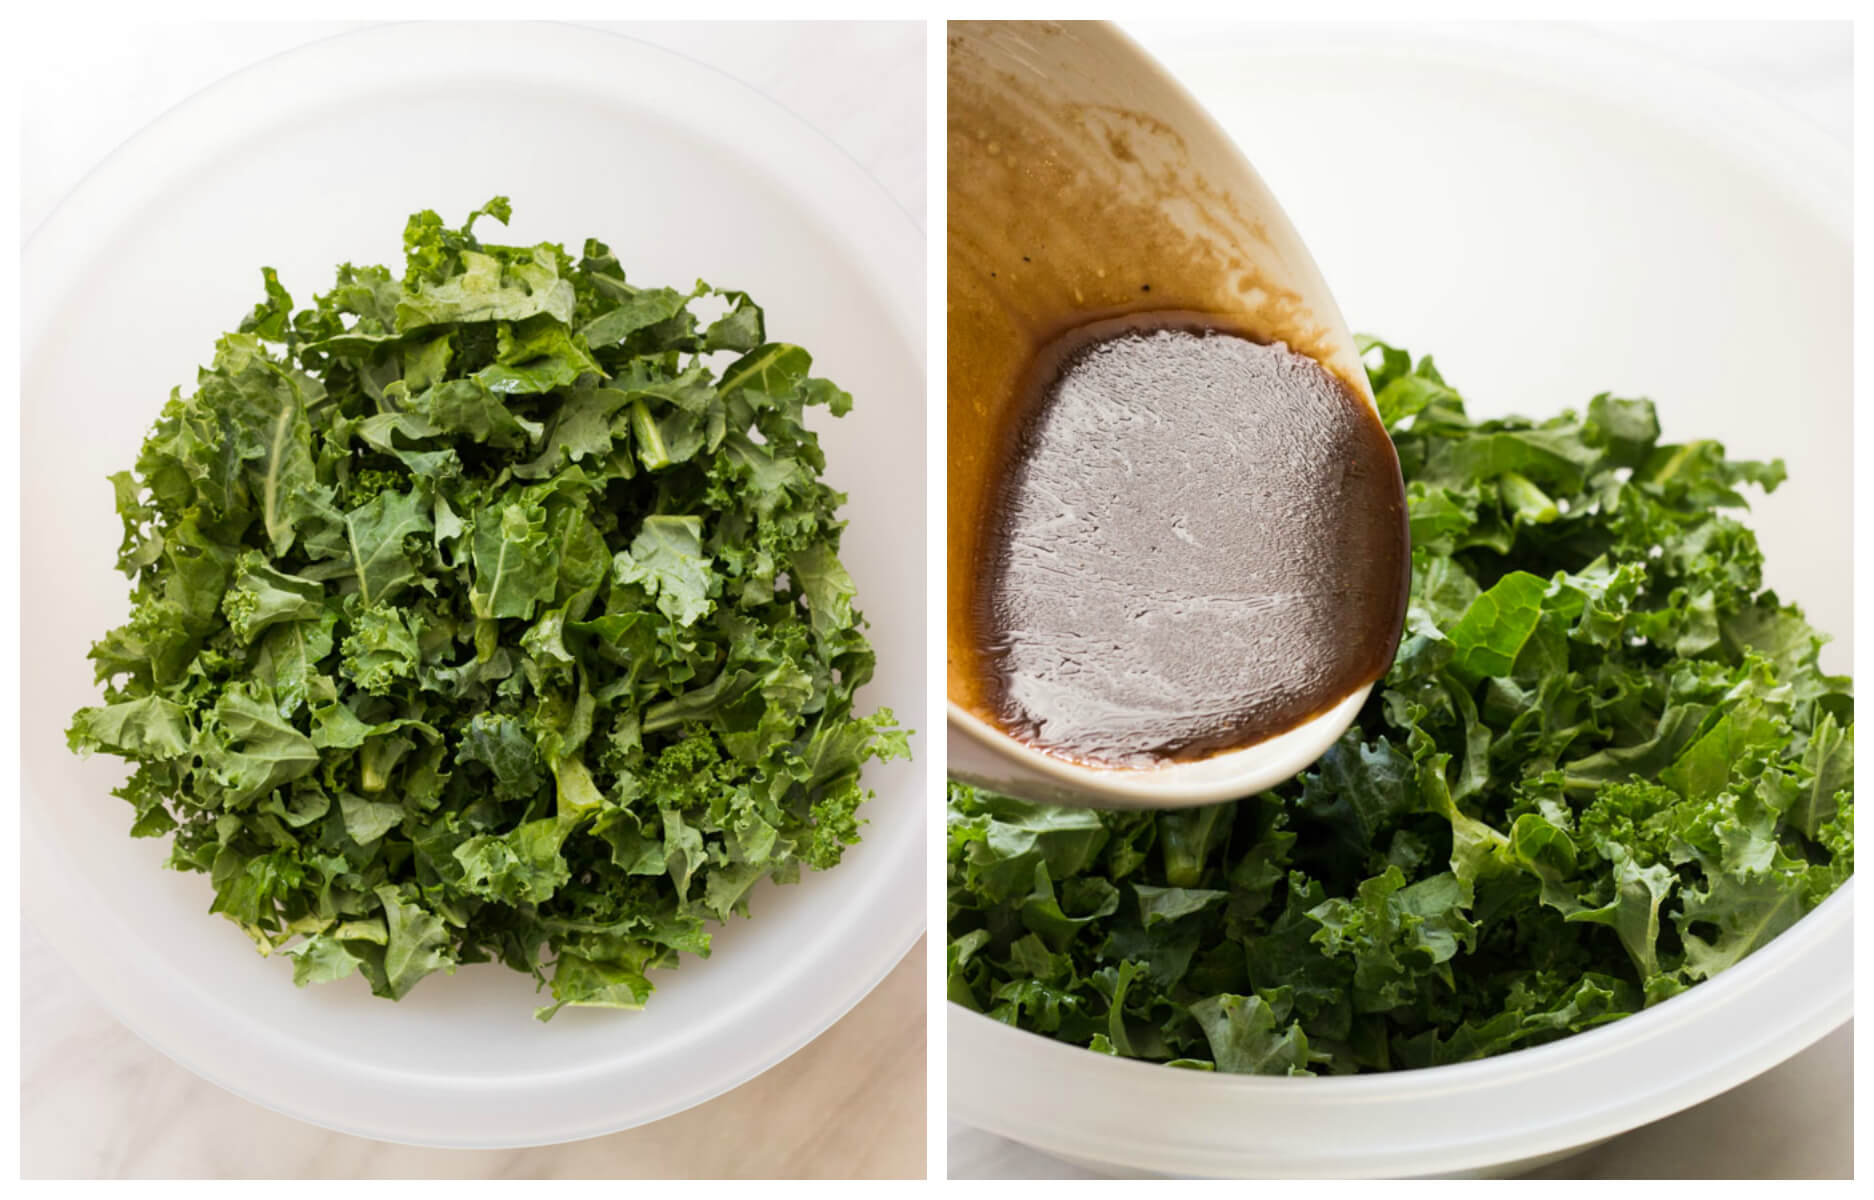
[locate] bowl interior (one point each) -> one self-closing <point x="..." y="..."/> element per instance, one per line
<point x="296" y="165"/>
<point x="1552" y="217"/>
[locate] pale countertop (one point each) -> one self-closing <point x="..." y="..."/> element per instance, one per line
<point x="98" y="1102"/>
<point x="1797" y="1121"/>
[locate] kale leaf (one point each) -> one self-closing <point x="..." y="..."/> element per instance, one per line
<point x="1605" y="766"/>
<point x="490" y="612"/>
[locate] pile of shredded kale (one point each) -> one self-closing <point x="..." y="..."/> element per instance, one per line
<point x="1604" y="766"/>
<point x="493" y="611"/>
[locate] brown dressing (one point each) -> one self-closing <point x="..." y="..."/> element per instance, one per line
<point x="1196" y="543"/>
<point x="1076" y="217"/>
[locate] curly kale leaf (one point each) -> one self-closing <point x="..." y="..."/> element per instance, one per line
<point x="1606" y="765"/>
<point x="492" y="611"/>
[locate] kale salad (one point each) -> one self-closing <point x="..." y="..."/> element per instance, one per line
<point x="1604" y="766"/>
<point x="492" y="610"/>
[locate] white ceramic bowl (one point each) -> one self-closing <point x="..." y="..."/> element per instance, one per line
<point x="315" y="158"/>
<point x="1552" y="216"/>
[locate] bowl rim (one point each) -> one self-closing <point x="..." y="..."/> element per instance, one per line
<point x="1796" y="977"/>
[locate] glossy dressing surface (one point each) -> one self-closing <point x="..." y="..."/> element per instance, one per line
<point x="1196" y="542"/>
<point x="1063" y="209"/>
<point x="1084" y="187"/>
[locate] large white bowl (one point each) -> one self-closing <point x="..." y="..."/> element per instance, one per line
<point x="315" y="158"/>
<point x="1552" y="216"/>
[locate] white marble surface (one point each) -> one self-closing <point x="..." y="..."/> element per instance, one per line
<point x="95" y="1100"/>
<point x="1795" y="1121"/>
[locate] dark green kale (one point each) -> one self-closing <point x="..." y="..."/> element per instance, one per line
<point x="478" y="617"/>
<point x="1605" y="766"/>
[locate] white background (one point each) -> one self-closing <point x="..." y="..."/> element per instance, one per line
<point x="95" y="1100"/>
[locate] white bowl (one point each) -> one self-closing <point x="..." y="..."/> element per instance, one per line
<point x="1551" y="216"/>
<point x="315" y="158"/>
<point x="1498" y="1116"/>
